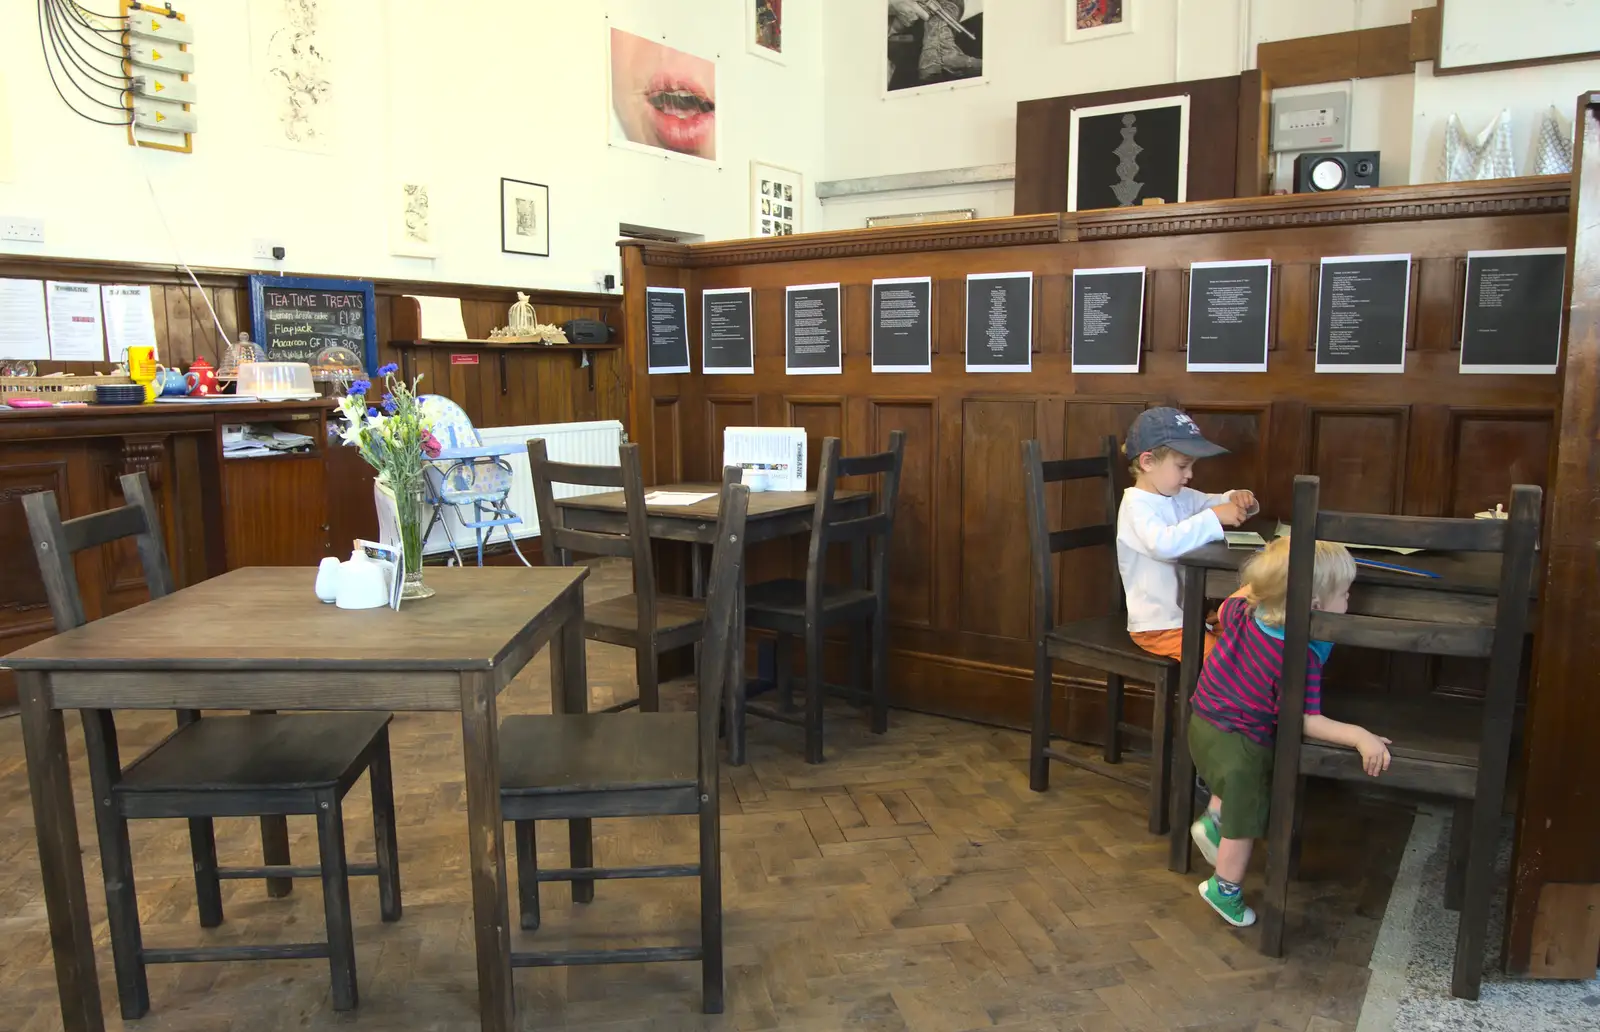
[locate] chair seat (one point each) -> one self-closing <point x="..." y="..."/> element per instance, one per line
<point x="787" y="597"/>
<point x="1435" y="742"/>
<point x="598" y="752"/>
<point x="673" y="613"/>
<point x="1103" y="634"/>
<point x="259" y="751"/>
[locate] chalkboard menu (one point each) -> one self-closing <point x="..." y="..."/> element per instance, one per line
<point x="1107" y="319"/>
<point x="902" y="327"/>
<point x="1000" y="322"/>
<point x="296" y="319"/>
<point x="1512" y="322"/>
<point x="727" y="326"/>
<point x="1362" y="305"/>
<point x="1229" y="312"/>
<point x="666" y="326"/>
<point x="813" y="338"/>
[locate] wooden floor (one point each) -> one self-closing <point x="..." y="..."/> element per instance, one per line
<point x="911" y="882"/>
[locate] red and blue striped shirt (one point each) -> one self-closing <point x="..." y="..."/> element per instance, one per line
<point x="1238" y="689"/>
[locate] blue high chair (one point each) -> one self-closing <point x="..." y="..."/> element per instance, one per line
<point x="473" y="477"/>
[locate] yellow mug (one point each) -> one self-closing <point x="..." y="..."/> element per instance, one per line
<point x="141" y="364"/>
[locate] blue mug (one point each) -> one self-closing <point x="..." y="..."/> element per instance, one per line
<point x="171" y="382"/>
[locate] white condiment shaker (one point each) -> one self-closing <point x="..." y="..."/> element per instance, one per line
<point x="328" y="579"/>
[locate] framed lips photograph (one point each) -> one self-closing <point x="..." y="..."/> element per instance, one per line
<point x="663" y="100"/>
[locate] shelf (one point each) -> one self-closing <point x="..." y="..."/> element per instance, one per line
<point x="501" y="345"/>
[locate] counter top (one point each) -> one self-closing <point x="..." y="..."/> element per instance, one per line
<point x="123" y="420"/>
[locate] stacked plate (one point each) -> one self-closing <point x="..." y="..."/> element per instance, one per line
<point x="119" y="394"/>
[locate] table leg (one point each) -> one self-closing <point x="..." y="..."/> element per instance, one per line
<point x="487" y="847"/>
<point x="569" y="693"/>
<point x="55" y="822"/>
<point x="1194" y="638"/>
<point x="735" y="688"/>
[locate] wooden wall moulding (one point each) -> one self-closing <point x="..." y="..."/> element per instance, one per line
<point x="144" y="454"/>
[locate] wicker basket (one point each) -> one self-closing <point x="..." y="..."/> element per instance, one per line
<point x="55" y="388"/>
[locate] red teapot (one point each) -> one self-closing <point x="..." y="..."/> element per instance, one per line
<point x="201" y="379"/>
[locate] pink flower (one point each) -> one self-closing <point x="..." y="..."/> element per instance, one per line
<point x="430" y="445"/>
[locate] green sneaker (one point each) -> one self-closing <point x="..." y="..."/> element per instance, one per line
<point x="1231" y="908"/>
<point x="1207" y="836"/>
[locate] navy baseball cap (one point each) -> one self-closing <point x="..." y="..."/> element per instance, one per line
<point x="1167" y="426"/>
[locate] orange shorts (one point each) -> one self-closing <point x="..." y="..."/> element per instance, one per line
<point x="1167" y="643"/>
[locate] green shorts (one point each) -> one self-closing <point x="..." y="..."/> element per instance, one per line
<point x="1237" y="770"/>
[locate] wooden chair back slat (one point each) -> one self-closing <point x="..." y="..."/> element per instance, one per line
<point x="56" y="541"/>
<point x="586" y="476"/>
<point x="1374" y="632"/>
<point x="1044" y="543"/>
<point x="870" y="532"/>
<point x="585" y="542"/>
<point x="719" y="652"/>
<point x="1429" y="532"/>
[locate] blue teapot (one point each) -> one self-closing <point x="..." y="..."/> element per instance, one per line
<point x="171" y="382"/>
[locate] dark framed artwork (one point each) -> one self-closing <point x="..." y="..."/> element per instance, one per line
<point x="1121" y="155"/>
<point x="524" y="218"/>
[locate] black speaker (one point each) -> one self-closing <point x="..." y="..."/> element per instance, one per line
<point x="1321" y="171"/>
<point x="586" y="331"/>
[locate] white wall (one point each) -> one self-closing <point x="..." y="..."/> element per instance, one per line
<point x="868" y="134"/>
<point x="456" y="95"/>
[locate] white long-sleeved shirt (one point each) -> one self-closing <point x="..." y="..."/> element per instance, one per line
<point x="1153" y="530"/>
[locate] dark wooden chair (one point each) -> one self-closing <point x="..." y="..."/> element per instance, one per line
<point x="1441" y="747"/>
<point x="588" y="765"/>
<point x="261" y="765"/>
<point x="1099" y="643"/>
<point x="806" y="609"/>
<point x="646" y="621"/>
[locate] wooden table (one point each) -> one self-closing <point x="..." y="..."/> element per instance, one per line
<point x="772" y="515"/>
<point x="1465" y="592"/>
<point x="258" y="639"/>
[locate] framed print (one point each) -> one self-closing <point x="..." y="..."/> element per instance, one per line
<point x="1121" y="155"/>
<point x="411" y="232"/>
<point x="659" y="99"/>
<point x="524" y="218"/>
<point x="1097" y="19"/>
<point x="763" y="29"/>
<point x="933" y="43"/>
<point x="776" y="197"/>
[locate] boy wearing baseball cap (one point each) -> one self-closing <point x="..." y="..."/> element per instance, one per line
<point x="1160" y="519"/>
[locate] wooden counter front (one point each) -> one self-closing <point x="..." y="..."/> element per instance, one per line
<point x="218" y="514"/>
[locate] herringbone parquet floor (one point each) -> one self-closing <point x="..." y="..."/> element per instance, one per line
<point x="913" y="882"/>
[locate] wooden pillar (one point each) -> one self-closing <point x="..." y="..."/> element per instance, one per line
<point x="636" y="357"/>
<point x="1558" y="839"/>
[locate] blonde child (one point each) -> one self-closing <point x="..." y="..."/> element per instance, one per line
<point x="1235" y="708"/>
<point x="1160" y="519"/>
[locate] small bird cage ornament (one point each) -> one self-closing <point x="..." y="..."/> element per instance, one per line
<point x="523" y="319"/>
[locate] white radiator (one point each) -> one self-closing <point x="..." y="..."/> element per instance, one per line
<point x="594" y="443"/>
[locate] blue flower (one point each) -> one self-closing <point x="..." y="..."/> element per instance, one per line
<point x="360" y="386"/>
<point x="385" y="370"/>
<point x="372" y="413"/>
<point x="388" y="404"/>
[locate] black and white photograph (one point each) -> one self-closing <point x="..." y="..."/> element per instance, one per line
<point x="999" y="322"/>
<point x="1512" y="322"/>
<point x="1363" y="305"/>
<point x="813" y="338"/>
<point x="776" y="193"/>
<point x="1121" y="155"/>
<point x="902" y="325"/>
<point x="524" y="218"/>
<point x="934" y="43"/>
<point x="1230" y="312"/>
<point x="727" y="326"/>
<point x="1107" y="319"/>
<point x="666" y="316"/>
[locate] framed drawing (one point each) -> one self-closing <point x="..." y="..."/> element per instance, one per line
<point x="661" y="100"/>
<point x="763" y="29"/>
<point x="1121" y="155"/>
<point x="411" y="233"/>
<point x="776" y="197"/>
<point x="1097" y="19"/>
<point x="933" y="43"/>
<point x="524" y="218"/>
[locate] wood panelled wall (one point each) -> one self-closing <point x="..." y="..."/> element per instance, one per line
<point x="1427" y="442"/>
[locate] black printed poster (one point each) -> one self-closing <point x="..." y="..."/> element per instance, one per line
<point x="1512" y="322"/>
<point x="1362" y="306"/>
<point x="813" y="339"/>
<point x="666" y="317"/>
<point x="1107" y="319"/>
<point x="1229" y="313"/>
<point x="1000" y="322"/>
<point x="902" y="325"/>
<point x="727" y="326"/>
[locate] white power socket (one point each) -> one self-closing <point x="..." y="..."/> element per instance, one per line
<point x="21" y="230"/>
<point x="261" y="249"/>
